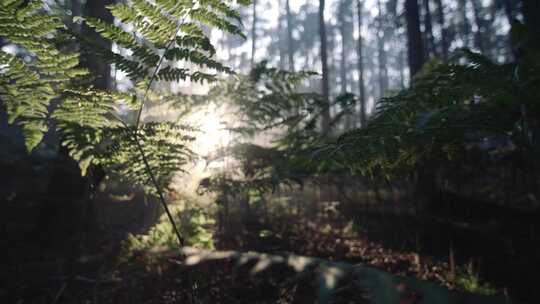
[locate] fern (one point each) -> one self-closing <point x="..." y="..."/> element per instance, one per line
<point x="449" y="106"/>
<point x="29" y="84"/>
<point x="42" y="85"/>
<point x="158" y="34"/>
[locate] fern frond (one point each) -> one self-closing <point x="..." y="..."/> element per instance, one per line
<point x="28" y="86"/>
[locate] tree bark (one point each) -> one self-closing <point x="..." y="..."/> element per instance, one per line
<point x="480" y="26"/>
<point x="465" y="26"/>
<point x="414" y="37"/>
<point x="76" y="10"/>
<point x="510" y="10"/>
<point x="381" y="53"/>
<point x="359" y="5"/>
<point x="401" y="66"/>
<point x="97" y="9"/>
<point x="325" y="122"/>
<point x="254" y="34"/>
<point x="343" y="61"/>
<point x="290" y="49"/>
<point x="280" y="36"/>
<point x="428" y="25"/>
<point x="445" y="44"/>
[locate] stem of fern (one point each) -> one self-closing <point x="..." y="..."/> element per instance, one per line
<point x="181" y="240"/>
<point x="158" y="189"/>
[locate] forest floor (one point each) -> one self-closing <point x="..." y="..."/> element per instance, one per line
<point x="161" y="276"/>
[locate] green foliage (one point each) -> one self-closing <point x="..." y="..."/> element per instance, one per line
<point x="158" y="34"/>
<point x="41" y="85"/>
<point x="467" y="101"/>
<point x="194" y="227"/>
<point x="30" y="82"/>
<point x="272" y="101"/>
<point x="468" y="279"/>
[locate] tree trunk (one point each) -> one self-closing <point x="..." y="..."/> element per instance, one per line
<point x="254" y="34"/>
<point x="359" y="5"/>
<point x="97" y="9"/>
<point x="67" y="207"/>
<point x="343" y="33"/>
<point x="280" y="37"/>
<point x="344" y="68"/>
<point x="381" y="36"/>
<point x="76" y="10"/>
<point x="480" y="27"/>
<point x="428" y="25"/>
<point x="414" y="37"/>
<point x="290" y="49"/>
<point x="401" y="66"/>
<point x="510" y="10"/>
<point x="445" y="44"/>
<point x="465" y="26"/>
<point x="325" y="122"/>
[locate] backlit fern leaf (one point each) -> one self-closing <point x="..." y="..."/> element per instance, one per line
<point x="165" y="145"/>
<point x="165" y="32"/>
<point x="155" y="36"/>
<point x="28" y="86"/>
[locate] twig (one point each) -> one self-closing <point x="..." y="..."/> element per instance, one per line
<point x="59" y="293"/>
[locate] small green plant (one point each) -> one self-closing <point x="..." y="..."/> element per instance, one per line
<point x="468" y="279"/>
<point x="194" y="222"/>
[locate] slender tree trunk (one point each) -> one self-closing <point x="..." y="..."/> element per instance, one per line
<point x="401" y="66"/>
<point x="325" y="122"/>
<point x="381" y="53"/>
<point x="445" y="44"/>
<point x="510" y="10"/>
<point x="428" y="25"/>
<point x="414" y="36"/>
<point x="343" y="68"/>
<point x="254" y="34"/>
<point x="465" y="26"/>
<point x="76" y="10"/>
<point x="68" y="210"/>
<point x="290" y="48"/>
<point x="343" y="33"/>
<point x="97" y="9"/>
<point x="359" y="5"/>
<point x="95" y="173"/>
<point x="480" y="26"/>
<point x="281" y="46"/>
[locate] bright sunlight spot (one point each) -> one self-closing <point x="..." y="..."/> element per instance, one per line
<point x="213" y="132"/>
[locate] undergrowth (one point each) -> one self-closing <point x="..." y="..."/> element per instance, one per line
<point x="194" y="225"/>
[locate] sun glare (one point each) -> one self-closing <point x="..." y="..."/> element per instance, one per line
<point x="213" y="135"/>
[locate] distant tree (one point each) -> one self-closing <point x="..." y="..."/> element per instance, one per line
<point x="444" y="43"/>
<point x="76" y="10"/>
<point x="343" y="8"/>
<point x="429" y="38"/>
<point x="381" y="52"/>
<point x="280" y="37"/>
<point x="325" y="122"/>
<point x="91" y="60"/>
<point x="360" y="56"/>
<point x="254" y="34"/>
<point x="414" y="37"/>
<point x="465" y="27"/>
<point x="509" y="9"/>
<point x="480" y="26"/>
<point x="290" y="48"/>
